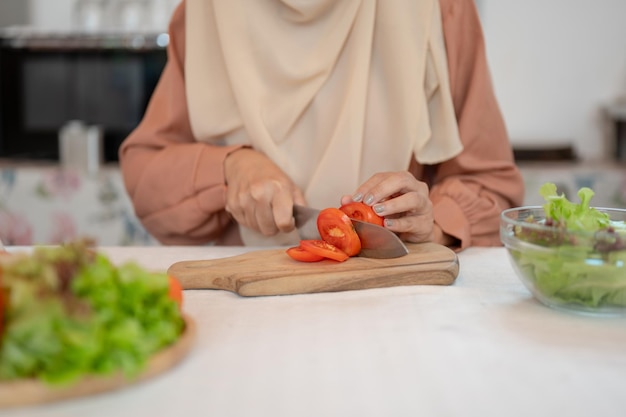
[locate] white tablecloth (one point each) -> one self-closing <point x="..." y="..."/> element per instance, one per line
<point x="481" y="347"/>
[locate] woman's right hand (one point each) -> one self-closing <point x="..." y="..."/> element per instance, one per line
<point x="259" y="195"/>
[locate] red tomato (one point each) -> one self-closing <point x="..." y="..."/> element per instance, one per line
<point x="363" y="212"/>
<point x="1" y="312"/>
<point x="2" y="305"/>
<point x="325" y="249"/>
<point x="176" y="291"/>
<point x="336" y="228"/>
<point x="303" y="255"/>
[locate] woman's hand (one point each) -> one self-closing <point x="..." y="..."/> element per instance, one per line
<point x="404" y="203"/>
<point x="259" y="195"/>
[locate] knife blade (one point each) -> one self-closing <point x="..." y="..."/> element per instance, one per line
<point x="376" y="241"/>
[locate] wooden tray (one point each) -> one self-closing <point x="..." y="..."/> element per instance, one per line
<point x="32" y="392"/>
<point x="272" y="272"/>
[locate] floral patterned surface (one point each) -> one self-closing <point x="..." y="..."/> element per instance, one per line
<point x="49" y="205"/>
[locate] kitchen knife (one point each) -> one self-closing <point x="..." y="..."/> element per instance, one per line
<point x="376" y="241"/>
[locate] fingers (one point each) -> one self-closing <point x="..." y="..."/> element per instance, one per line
<point x="282" y="211"/>
<point x="402" y="200"/>
<point x="298" y="197"/>
<point x="414" y="225"/>
<point x="413" y="202"/>
<point x="260" y="208"/>
<point x="266" y="206"/>
<point x="259" y="195"/>
<point x="384" y="185"/>
<point x="346" y="199"/>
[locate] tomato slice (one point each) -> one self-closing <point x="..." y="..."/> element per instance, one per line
<point x="336" y="228"/>
<point x="325" y="249"/>
<point x="176" y="290"/>
<point x="303" y="255"/>
<point x="363" y="212"/>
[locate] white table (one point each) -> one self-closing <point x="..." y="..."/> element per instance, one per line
<point x="481" y="347"/>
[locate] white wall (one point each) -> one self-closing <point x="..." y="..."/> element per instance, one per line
<point x="59" y="14"/>
<point x="54" y="15"/>
<point x="555" y="64"/>
<point x="13" y="12"/>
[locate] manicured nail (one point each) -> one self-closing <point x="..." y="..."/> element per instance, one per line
<point x="369" y="200"/>
<point x="388" y="222"/>
<point x="357" y="197"/>
<point x="379" y="208"/>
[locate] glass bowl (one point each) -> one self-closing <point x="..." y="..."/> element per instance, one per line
<point x="583" y="272"/>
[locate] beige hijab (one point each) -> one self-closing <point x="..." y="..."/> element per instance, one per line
<point x="332" y="91"/>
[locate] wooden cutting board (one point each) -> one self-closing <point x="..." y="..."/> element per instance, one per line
<point x="273" y="272"/>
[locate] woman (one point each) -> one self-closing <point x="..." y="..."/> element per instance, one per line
<point x="263" y="105"/>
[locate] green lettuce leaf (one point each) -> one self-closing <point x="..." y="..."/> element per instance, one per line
<point x="73" y="313"/>
<point x="574" y="216"/>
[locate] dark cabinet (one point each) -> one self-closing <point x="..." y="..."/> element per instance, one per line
<point x="46" y="81"/>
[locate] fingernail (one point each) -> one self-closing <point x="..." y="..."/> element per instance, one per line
<point x="357" y="197"/>
<point x="369" y="200"/>
<point x="379" y="208"/>
<point x="388" y="222"/>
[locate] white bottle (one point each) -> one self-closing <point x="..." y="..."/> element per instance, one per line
<point x="81" y="147"/>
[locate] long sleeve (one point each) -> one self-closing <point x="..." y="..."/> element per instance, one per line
<point x="469" y="192"/>
<point x="176" y="184"/>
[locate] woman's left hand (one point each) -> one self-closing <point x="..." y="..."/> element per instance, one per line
<point x="404" y="203"/>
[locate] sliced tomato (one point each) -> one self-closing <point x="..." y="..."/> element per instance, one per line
<point x="176" y="290"/>
<point x="363" y="212"/>
<point x="336" y="228"/>
<point x="325" y="249"/>
<point x="303" y="255"/>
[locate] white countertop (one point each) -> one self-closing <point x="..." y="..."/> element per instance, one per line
<point x="481" y="347"/>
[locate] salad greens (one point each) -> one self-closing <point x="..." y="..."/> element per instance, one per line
<point x="579" y="259"/>
<point x="573" y="216"/>
<point x="71" y="313"/>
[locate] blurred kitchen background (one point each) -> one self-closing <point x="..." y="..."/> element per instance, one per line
<point x="76" y="75"/>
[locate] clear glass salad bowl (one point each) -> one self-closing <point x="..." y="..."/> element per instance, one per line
<point x="578" y="271"/>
